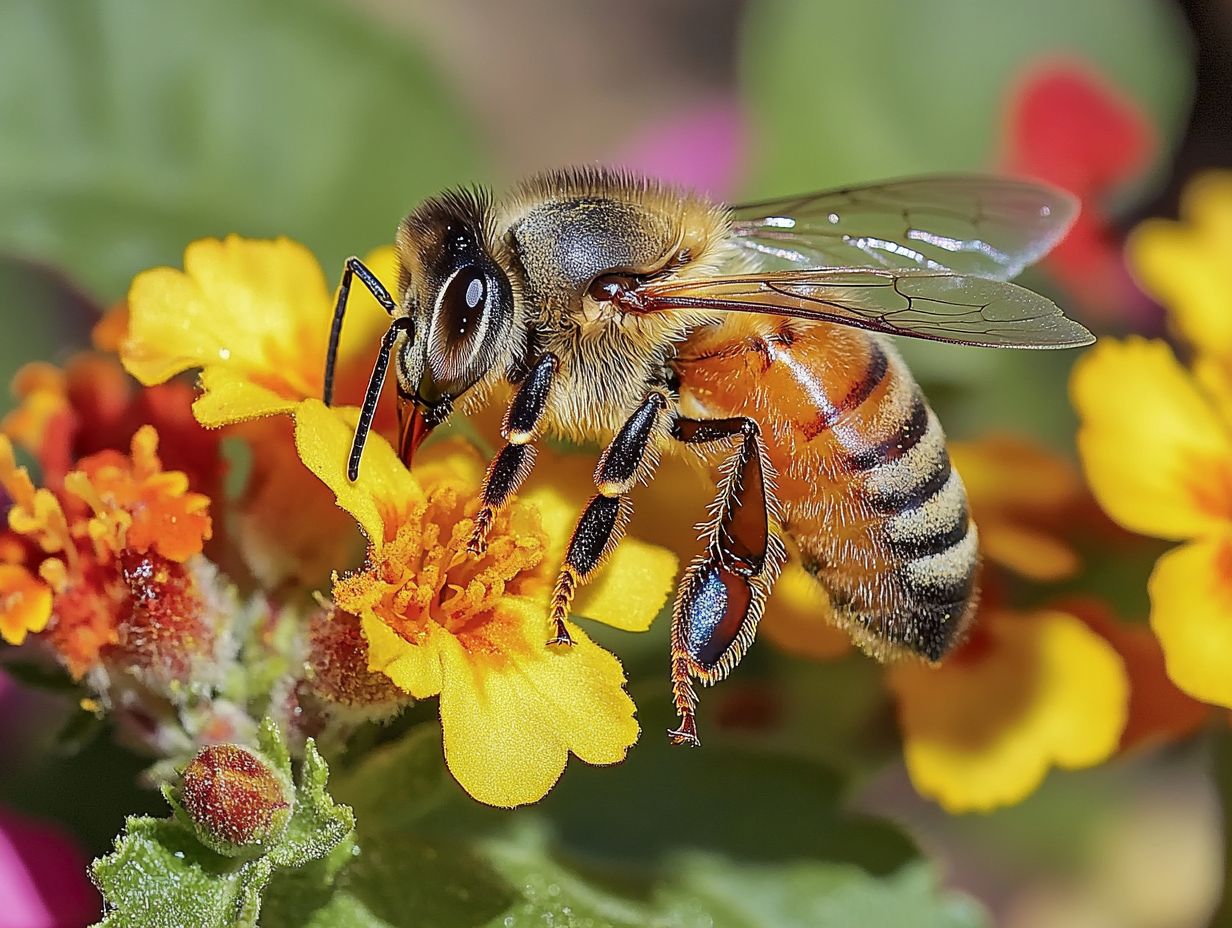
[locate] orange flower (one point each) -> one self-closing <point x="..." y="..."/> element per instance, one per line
<point x="120" y="528"/>
<point x="92" y="405"/>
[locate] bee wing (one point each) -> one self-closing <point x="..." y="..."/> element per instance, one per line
<point x="987" y="226"/>
<point x="933" y="305"/>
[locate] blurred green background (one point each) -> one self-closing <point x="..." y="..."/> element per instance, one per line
<point x="130" y="127"/>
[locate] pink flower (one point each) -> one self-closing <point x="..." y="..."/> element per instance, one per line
<point x="43" y="882"/>
<point x="703" y="148"/>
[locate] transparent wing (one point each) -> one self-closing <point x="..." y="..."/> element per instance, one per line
<point x="921" y="304"/>
<point x="987" y="226"/>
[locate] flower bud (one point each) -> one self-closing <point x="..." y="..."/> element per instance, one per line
<point x="236" y="799"/>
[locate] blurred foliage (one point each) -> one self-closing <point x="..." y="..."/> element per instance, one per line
<point x="133" y="127"/>
<point x="840" y="93"/>
<point x="670" y="838"/>
<point x="844" y="93"/>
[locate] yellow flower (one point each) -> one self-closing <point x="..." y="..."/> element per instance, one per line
<point x="1187" y="265"/>
<point x="1156" y="437"/>
<point x="1022" y="497"/>
<point x="1029" y="692"/>
<point x="254" y="317"/>
<point x="440" y="622"/>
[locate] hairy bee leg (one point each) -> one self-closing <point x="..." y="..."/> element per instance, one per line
<point x="628" y="458"/>
<point x="352" y="267"/>
<point x="720" y="599"/>
<point x="510" y="468"/>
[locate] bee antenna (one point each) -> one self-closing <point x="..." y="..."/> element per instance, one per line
<point x="353" y="267"/>
<point x="375" y="384"/>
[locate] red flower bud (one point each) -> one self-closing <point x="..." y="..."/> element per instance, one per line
<point x="236" y="799"/>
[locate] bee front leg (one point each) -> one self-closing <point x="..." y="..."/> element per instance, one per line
<point x="629" y="457"/>
<point x="720" y="600"/>
<point x="510" y="468"/>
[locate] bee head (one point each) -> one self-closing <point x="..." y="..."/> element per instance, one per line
<point x="461" y="304"/>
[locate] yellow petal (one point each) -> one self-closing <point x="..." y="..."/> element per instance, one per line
<point x="259" y="309"/>
<point x="236" y="302"/>
<point x="1191" y="613"/>
<point x="1033" y="554"/>
<point x="982" y="730"/>
<point x="415" y="668"/>
<point x="228" y="396"/>
<point x="25" y="603"/>
<point x="796" y="617"/>
<point x="510" y="725"/>
<point x="560" y="488"/>
<point x="323" y="437"/>
<point x="631" y="588"/>
<point x="1156" y="454"/>
<point x="1187" y="265"/>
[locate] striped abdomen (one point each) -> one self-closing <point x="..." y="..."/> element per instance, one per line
<point x="865" y="486"/>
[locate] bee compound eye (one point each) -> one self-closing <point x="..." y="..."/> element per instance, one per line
<point x="463" y="303"/>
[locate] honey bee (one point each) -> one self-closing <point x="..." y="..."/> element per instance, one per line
<point x="652" y="320"/>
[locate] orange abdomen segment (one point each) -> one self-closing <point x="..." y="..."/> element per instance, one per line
<point x="864" y="485"/>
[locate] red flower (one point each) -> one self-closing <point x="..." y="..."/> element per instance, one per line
<point x="1069" y="127"/>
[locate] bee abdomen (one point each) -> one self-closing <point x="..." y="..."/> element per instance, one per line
<point x="923" y="524"/>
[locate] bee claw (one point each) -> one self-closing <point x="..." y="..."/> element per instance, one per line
<point x="686" y="733"/>
<point x="561" y="636"/>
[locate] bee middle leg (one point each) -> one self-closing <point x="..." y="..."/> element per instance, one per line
<point x="627" y="459"/>
<point x="721" y="597"/>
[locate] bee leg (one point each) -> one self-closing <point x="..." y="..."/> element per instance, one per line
<point x="720" y="599"/>
<point x="512" y="465"/>
<point x="628" y="458"/>
<point x="353" y="267"/>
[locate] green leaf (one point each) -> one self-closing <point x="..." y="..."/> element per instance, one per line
<point x="318" y="824"/>
<point x="161" y="874"/>
<point x="821" y="897"/>
<point x="658" y="841"/>
<point x="844" y="92"/>
<point x="135" y="126"/>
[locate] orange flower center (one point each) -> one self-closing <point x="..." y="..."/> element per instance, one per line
<point x="426" y="575"/>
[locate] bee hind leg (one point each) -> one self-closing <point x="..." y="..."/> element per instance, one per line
<point x="628" y="459"/>
<point x="720" y="600"/>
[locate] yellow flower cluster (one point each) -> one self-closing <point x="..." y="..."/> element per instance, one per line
<point x="1156" y="434"/>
